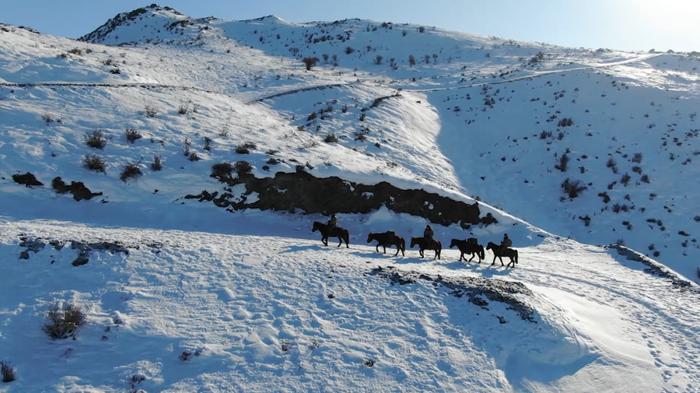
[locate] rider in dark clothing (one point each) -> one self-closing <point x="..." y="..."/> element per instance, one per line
<point x="428" y="232"/>
<point x="506" y="242"/>
<point x="333" y="221"/>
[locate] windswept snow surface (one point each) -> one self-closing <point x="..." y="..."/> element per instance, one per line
<point x="255" y="298"/>
<point x="280" y="313"/>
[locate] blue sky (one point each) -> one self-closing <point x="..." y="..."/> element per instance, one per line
<point x="618" y="24"/>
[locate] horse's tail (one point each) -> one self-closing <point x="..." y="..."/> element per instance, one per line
<point x="482" y="253"/>
<point x="402" y="244"/>
<point x="516" y="256"/>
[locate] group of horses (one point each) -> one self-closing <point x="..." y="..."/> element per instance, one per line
<point x="390" y="238"/>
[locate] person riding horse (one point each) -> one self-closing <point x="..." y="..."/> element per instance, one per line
<point x="506" y="242"/>
<point x="428" y="233"/>
<point x="332" y="222"/>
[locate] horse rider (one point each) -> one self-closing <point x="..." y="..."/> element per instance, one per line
<point x="332" y="222"/>
<point x="506" y="242"/>
<point x="428" y="233"/>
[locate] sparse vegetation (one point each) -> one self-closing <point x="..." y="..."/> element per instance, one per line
<point x="94" y="163"/>
<point x="7" y="371"/>
<point x="330" y="138"/>
<point x="572" y="188"/>
<point x="63" y="321"/>
<point x="310" y="62"/>
<point x="157" y="164"/>
<point x="96" y="139"/>
<point x="150" y="111"/>
<point x="563" y="162"/>
<point x="245" y="148"/>
<point x="130" y="171"/>
<point x="132" y="135"/>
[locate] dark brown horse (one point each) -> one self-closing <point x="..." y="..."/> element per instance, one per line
<point x="500" y="252"/>
<point x="388" y="238"/>
<point x="326" y="232"/>
<point x="427" y="244"/>
<point x="466" y="247"/>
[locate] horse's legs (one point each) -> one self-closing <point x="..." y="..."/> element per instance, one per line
<point x="470" y="259"/>
<point x="377" y="248"/>
<point x="324" y="240"/>
<point x="501" y="259"/>
<point x="494" y="260"/>
<point x="384" y="245"/>
<point x="340" y="241"/>
<point x="421" y="253"/>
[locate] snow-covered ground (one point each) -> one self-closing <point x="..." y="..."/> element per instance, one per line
<point x="276" y="312"/>
<point x="474" y="118"/>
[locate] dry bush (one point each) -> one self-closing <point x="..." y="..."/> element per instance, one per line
<point x="132" y="135"/>
<point x="94" y="163"/>
<point x="242" y="167"/>
<point x="96" y="139"/>
<point x="572" y="188"/>
<point x="63" y="321"/>
<point x="7" y="371"/>
<point x="157" y="163"/>
<point x="130" y="171"/>
<point x="330" y="138"/>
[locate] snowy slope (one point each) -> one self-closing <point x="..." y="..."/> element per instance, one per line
<point x="249" y="290"/>
<point x="274" y="313"/>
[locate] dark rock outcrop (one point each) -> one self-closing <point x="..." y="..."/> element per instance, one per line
<point x="475" y="289"/>
<point x="654" y="268"/>
<point x="303" y="192"/>
<point x="77" y="189"/>
<point x="27" y="179"/>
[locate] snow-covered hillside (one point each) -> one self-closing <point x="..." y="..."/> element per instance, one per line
<point x="142" y="110"/>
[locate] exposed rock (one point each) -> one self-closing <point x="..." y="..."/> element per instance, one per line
<point x="27" y="179"/>
<point x="303" y="192"/>
<point x="654" y="267"/>
<point x="474" y="288"/>
<point x="77" y="189"/>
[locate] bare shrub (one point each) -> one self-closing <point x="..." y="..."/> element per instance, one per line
<point x="194" y="156"/>
<point x="130" y="171"/>
<point x="94" y="163"/>
<point x="63" y="321"/>
<point x="183" y="109"/>
<point x="310" y="62"/>
<point x="378" y="59"/>
<point x="207" y="143"/>
<point x="132" y="135"/>
<point x="563" y="162"/>
<point x="612" y="165"/>
<point x="96" y="139"/>
<point x="245" y="148"/>
<point x="572" y="188"/>
<point x="150" y="111"/>
<point x="7" y="371"/>
<point x="157" y="164"/>
<point x="330" y="138"/>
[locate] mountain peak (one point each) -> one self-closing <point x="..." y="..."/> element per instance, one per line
<point x="153" y="22"/>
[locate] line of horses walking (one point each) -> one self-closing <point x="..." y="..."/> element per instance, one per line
<point x="386" y="239"/>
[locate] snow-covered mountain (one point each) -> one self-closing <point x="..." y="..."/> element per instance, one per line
<point x="185" y="159"/>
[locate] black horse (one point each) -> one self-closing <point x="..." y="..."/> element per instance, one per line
<point x="388" y="238"/>
<point x="427" y="244"/>
<point x="500" y="252"/>
<point x="469" y="247"/>
<point x="326" y="232"/>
